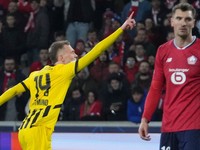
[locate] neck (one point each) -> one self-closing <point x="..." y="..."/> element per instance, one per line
<point x="156" y="8"/>
<point x="58" y="62"/>
<point x="182" y="42"/>
<point x="44" y="62"/>
<point x="11" y="26"/>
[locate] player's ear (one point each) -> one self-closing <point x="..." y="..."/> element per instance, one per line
<point x="194" y="22"/>
<point x="59" y="57"/>
<point x="171" y="22"/>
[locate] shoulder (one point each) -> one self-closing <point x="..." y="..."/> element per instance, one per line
<point x="197" y="40"/>
<point x="145" y="3"/>
<point x="67" y="69"/>
<point x="98" y="102"/>
<point x="165" y="47"/>
<point x="34" y="73"/>
<point x="166" y="44"/>
<point x="130" y="101"/>
<point x="36" y="64"/>
<point x="20" y="73"/>
<point x="63" y="66"/>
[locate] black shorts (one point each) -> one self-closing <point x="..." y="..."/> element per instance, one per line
<point x="183" y="140"/>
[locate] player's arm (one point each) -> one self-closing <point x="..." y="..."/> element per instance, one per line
<point x="153" y="97"/>
<point x="104" y="44"/>
<point x="151" y="104"/>
<point x="14" y="91"/>
<point x="11" y="92"/>
<point x="156" y="87"/>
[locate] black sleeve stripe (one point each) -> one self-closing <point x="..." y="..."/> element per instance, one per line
<point x="76" y="66"/>
<point x="46" y="111"/>
<point x="57" y="106"/>
<point x="25" y="87"/>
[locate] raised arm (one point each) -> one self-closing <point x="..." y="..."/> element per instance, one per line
<point x="104" y="44"/>
<point x="12" y="92"/>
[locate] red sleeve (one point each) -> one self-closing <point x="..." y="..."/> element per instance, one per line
<point x="156" y="88"/>
<point x="152" y="99"/>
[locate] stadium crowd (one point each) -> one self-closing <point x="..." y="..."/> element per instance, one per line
<point x="114" y="87"/>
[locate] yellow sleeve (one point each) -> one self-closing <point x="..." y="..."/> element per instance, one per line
<point x="13" y="91"/>
<point x="98" y="49"/>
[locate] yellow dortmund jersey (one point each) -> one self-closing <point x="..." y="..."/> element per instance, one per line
<point x="48" y="86"/>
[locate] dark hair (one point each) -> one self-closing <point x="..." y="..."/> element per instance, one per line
<point x="75" y="88"/>
<point x="54" y="48"/>
<point x="114" y="76"/>
<point x="79" y="41"/>
<point x="184" y="7"/>
<point x="91" y="30"/>
<point x="92" y="91"/>
<point x="141" y="29"/>
<point x="37" y="1"/>
<point x="137" y="89"/>
<point x="59" y="33"/>
<point x="113" y="63"/>
<point x="9" y="57"/>
<point x="144" y="61"/>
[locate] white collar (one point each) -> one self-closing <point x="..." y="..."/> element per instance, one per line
<point x="182" y="48"/>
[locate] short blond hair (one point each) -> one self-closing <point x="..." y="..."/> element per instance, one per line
<point x="54" y="48"/>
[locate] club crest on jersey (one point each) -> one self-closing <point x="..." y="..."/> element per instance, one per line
<point x="192" y="60"/>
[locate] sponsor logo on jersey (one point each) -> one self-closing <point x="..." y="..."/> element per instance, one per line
<point x="192" y="60"/>
<point x="43" y="102"/>
<point x="178" y="75"/>
<point x="178" y="78"/>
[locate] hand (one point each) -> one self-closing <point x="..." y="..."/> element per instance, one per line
<point x="18" y="95"/>
<point x="143" y="130"/>
<point x="129" y="23"/>
<point x="114" y="107"/>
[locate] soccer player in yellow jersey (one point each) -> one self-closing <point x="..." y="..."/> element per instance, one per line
<point x="48" y="88"/>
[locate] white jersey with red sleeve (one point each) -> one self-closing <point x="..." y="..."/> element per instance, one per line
<point x="179" y="69"/>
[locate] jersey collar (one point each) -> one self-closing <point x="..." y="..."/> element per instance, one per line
<point x="182" y="48"/>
